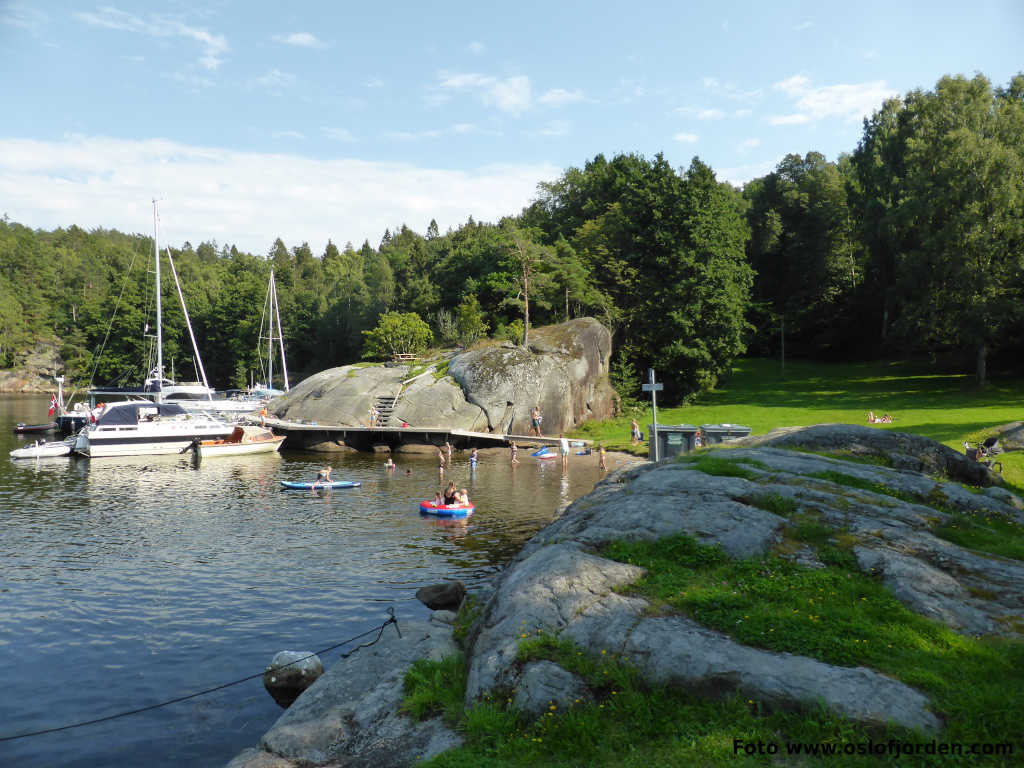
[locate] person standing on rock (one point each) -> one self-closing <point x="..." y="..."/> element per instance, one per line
<point x="535" y="419"/>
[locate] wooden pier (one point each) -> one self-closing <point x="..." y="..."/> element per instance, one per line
<point x="305" y="435"/>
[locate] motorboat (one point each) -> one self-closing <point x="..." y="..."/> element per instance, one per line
<point x="141" y="427"/>
<point x="244" y="439"/>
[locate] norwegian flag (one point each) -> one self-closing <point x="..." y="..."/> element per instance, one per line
<point x="53" y="404"/>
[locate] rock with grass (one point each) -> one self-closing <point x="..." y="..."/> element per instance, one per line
<point x="944" y="551"/>
<point x="352" y="714"/>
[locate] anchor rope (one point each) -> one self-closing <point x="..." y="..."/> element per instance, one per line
<point x="379" y="630"/>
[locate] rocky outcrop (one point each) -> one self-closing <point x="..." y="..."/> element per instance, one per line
<point x="33" y="371"/>
<point x="350" y="715"/>
<point x="490" y="388"/>
<point x="564" y="371"/>
<point x="889" y="520"/>
<point x="559" y="585"/>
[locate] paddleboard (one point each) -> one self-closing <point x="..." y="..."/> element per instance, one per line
<point x="307" y="486"/>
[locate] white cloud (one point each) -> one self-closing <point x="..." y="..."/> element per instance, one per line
<point x="686" y="138"/>
<point x="476" y="47"/>
<point x="301" y="39"/>
<point x="748" y="144"/>
<point x="850" y="103"/>
<point x="288" y="135"/>
<point x="413" y="135"/>
<point x="23" y="17"/>
<point x="214" y="46"/>
<point x="245" y="198"/>
<point x="559" y="96"/>
<point x="512" y="95"/>
<point x="710" y="114"/>
<point x="743" y="113"/>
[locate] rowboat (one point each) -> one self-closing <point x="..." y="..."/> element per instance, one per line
<point x="25" y="429"/>
<point x="244" y="439"/>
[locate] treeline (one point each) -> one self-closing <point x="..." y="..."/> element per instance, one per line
<point x="913" y="243"/>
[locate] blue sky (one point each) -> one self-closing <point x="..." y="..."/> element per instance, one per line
<point x="252" y="120"/>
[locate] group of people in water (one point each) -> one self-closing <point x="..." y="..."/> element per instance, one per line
<point x="452" y="496"/>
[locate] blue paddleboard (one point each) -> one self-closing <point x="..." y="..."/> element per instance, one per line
<point x="307" y="486"/>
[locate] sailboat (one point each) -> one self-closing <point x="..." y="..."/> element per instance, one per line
<point x="271" y="311"/>
<point x="156" y="425"/>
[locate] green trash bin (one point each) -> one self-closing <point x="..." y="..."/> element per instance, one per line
<point x="723" y="433"/>
<point x="673" y="439"/>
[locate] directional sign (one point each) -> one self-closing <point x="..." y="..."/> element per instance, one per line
<point x="653" y="387"/>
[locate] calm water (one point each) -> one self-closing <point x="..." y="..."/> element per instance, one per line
<point x="126" y="582"/>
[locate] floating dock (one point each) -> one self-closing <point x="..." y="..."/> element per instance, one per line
<point x="304" y="435"/>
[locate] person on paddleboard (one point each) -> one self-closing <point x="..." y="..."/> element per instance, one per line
<point x="323" y="477"/>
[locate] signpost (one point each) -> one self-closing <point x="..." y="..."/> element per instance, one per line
<point x="653" y="387"/>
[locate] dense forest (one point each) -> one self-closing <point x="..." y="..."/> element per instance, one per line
<point x="911" y="244"/>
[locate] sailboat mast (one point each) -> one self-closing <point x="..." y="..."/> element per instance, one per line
<point x="159" y="322"/>
<point x="280" y="337"/>
<point x="270" y="335"/>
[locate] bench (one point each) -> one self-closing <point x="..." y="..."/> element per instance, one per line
<point x="405" y="358"/>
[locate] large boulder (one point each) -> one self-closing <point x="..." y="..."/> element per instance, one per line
<point x="564" y="371"/>
<point x="490" y="388"/>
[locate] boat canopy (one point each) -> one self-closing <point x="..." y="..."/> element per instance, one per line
<point x="128" y="414"/>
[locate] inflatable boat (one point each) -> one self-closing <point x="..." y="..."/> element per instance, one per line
<point x="446" y="510"/>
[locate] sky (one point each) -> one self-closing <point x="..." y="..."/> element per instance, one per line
<point x="250" y="120"/>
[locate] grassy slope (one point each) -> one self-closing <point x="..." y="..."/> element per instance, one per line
<point x="948" y="408"/>
<point x="836" y="614"/>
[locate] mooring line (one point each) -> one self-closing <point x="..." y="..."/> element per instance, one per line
<point x="379" y="630"/>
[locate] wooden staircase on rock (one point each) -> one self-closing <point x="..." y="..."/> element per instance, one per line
<point x="385" y="406"/>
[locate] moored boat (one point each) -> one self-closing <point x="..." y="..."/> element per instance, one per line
<point x="30" y="429"/>
<point x="42" y="449"/>
<point x="243" y="439"/>
<point x="139" y="427"/>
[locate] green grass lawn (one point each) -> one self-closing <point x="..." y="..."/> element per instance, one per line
<point x="949" y="408"/>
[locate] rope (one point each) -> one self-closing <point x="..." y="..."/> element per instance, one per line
<point x="379" y="630"/>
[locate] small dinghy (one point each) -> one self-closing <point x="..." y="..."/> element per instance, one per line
<point x="27" y="429"/>
<point x="309" y="486"/>
<point x="446" y="510"/>
<point x="42" y="449"/>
